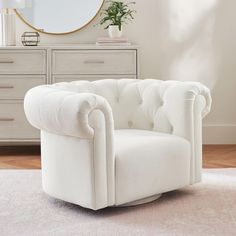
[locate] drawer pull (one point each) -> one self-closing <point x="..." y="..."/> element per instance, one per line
<point x="7" y="119"/>
<point x="94" y="62"/>
<point x="6" y="86"/>
<point x="6" y="62"/>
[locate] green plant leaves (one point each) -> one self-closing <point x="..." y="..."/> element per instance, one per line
<point x="117" y="13"/>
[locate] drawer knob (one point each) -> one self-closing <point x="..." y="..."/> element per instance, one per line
<point x="7" y="119"/>
<point x="6" y="86"/>
<point x="94" y="62"/>
<point x="6" y="62"/>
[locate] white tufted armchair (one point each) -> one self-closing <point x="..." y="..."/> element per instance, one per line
<point x="118" y="142"/>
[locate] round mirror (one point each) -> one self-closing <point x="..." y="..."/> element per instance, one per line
<point x="59" y="16"/>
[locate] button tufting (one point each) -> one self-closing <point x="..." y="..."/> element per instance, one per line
<point x="140" y="102"/>
<point x="130" y="123"/>
<point x="161" y="103"/>
<point x="172" y="129"/>
<point x="117" y="99"/>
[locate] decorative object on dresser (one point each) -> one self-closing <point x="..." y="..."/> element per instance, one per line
<point x="105" y="41"/>
<point x="116" y="15"/>
<point x="8" y="31"/>
<point x="22" y="68"/>
<point x="118" y="142"/>
<point x="30" y="38"/>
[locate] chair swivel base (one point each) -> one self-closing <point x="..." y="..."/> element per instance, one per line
<point x="141" y="201"/>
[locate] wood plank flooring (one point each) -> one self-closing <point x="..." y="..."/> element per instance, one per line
<point x="22" y="157"/>
<point x="219" y="156"/>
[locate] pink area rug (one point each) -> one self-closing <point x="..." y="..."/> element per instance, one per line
<point x="208" y="208"/>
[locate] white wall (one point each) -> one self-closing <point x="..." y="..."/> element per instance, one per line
<point x="184" y="40"/>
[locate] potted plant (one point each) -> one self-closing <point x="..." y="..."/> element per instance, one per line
<point x="117" y="14"/>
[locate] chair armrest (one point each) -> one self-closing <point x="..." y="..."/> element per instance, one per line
<point x="64" y="112"/>
<point x="186" y="103"/>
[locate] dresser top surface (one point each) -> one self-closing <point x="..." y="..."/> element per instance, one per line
<point x="69" y="46"/>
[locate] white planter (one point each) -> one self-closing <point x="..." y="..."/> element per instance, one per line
<point x="114" y="31"/>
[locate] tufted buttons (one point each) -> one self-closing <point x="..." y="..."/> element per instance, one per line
<point x="140" y="102"/>
<point x="172" y="129"/>
<point x="161" y="103"/>
<point x="117" y="99"/>
<point x="130" y="123"/>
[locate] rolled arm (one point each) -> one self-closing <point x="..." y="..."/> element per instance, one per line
<point x="186" y="103"/>
<point x="64" y="112"/>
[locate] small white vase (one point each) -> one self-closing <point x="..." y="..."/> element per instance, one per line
<point x="8" y="31"/>
<point x="114" y="31"/>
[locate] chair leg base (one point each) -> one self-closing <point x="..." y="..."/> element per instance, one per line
<point x="141" y="201"/>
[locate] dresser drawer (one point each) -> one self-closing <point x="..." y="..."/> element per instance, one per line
<point x="13" y="123"/>
<point x="23" y="62"/>
<point x="68" y="78"/>
<point x="122" y="62"/>
<point x="15" y="87"/>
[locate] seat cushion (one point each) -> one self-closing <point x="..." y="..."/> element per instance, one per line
<point x="149" y="163"/>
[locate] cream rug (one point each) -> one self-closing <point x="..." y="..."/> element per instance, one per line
<point x="208" y="208"/>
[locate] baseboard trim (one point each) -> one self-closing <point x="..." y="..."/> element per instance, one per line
<point x="219" y="134"/>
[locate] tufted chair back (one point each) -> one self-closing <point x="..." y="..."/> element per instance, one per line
<point x="137" y="104"/>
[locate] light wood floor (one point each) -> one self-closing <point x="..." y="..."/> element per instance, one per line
<point x="214" y="156"/>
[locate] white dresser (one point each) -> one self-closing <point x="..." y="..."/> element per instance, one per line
<point x="22" y="68"/>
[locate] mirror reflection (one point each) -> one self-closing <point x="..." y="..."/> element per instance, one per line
<point x="59" y="16"/>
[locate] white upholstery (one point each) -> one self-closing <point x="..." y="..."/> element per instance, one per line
<point x="156" y="146"/>
<point x="146" y="165"/>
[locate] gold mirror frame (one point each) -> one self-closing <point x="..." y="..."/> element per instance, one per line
<point x="64" y="33"/>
